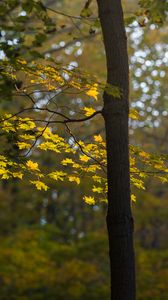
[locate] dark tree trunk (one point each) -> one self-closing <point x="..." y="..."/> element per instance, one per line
<point x="115" y="112"/>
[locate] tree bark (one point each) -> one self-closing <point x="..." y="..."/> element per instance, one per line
<point x="116" y="113"/>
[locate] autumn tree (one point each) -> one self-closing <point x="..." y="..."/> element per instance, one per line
<point x="41" y="124"/>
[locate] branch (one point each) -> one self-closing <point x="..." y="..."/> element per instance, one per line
<point x="70" y="43"/>
<point x="85" y="153"/>
<point x="65" y="121"/>
<point x="149" y="172"/>
<point x="70" y="16"/>
<point x="37" y="138"/>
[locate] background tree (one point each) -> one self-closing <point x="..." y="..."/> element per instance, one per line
<point x="44" y="210"/>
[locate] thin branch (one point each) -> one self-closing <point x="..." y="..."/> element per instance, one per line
<point x="72" y="42"/>
<point x="16" y="114"/>
<point x="70" y="16"/>
<point x="38" y="137"/>
<point x="85" y="153"/>
<point x="25" y="94"/>
<point x="149" y="172"/>
<point x="66" y="118"/>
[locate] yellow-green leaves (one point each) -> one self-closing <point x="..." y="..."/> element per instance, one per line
<point x="39" y="128"/>
<point x="88" y="111"/>
<point x="8" y="169"/>
<point x="13" y="123"/>
<point x="78" y="160"/>
<point x="50" y="146"/>
<point x="97" y="189"/>
<point x="67" y="161"/>
<point x="133" y="198"/>
<point x="17" y="175"/>
<point x="4" y="173"/>
<point x="99" y="139"/>
<point x="23" y="145"/>
<point x="134" y="115"/>
<point x="89" y="200"/>
<point x="93" y="91"/>
<point x="33" y="166"/>
<point x="39" y="185"/>
<point x="26" y="124"/>
<point x="58" y="175"/>
<point x="75" y="179"/>
<point x="84" y="158"/>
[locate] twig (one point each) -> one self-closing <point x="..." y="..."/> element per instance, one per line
<point x="85" y="153"/>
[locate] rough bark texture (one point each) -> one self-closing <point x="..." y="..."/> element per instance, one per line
<point x="115" y="112"/>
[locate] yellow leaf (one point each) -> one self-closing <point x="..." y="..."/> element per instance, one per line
<point x="134" y="115"/>
<point x="23" y="145"/>
<point x="3" y="164"/>
<point x="27" y="137"/>
<point x="40" y="185"/>
<point x="67" y="161"/>
<point x="93" y="168"/>
<point x="57" y="175"/>
<point x="5" y="176"/>
<point x="132" y="161"/>
<point x="31" y="165"/>
<point x="133" y="198"/>
<point x="144" y="154"/>
<point x="4" y="173"/>
<point x="49" y="146"/>
<point x="97" y="178"/>
<point x="93" y="91"/>
<point x="98" y="138"/>
<point x="8" y="126"/>
<point x="17" y="175"/>
<point x="75" y="85"/>
<point x="158" y="166"/>
<point x="26" y="124"/>
<point x="22" y="61"/>
<point x="97" y="189"/>
<point x="2" y="157"/>
<point x="89" y="111"/>
<point x="89" y="200"/>
<point x="138" y="183"/>
<point x="84" y="158"/>
<point x="74" y="178"/>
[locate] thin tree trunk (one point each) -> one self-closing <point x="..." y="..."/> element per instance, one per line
<point x="115" y="112"/>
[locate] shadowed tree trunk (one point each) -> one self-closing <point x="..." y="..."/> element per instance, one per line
<point x="115" y="112"/>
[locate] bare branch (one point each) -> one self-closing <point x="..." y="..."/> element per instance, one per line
<point x="72" y="42"/>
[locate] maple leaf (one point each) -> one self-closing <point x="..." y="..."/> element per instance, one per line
<point x="17" y="175"/>
<point x="89" y="111"/>
<point x="89" y="200"/>
<point x="57" y="175"/>
<point x="84" y="158"/>
<point x="67" y="161"/>
<point x="98" y="138"/>
<point x="93" y="91"/>
<point x="133" y="198"/>
<point x="31" y="165"/>
<point x="40" y="185"/>
<point x="23" y="145"/>
<point x="74" y="179"/>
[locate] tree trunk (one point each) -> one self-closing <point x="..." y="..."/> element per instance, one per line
<point x="115" y="112"/>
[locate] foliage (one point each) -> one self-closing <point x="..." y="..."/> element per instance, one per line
<point x="35" y="134"/>
<point x="42" y="267"/>
<point x="154" y="10"/>
<point x="53" y="246"/>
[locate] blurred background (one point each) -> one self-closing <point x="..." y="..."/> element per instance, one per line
<point x="54" y="246"/>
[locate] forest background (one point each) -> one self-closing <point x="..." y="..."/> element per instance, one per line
<point x="53" y="244"/>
